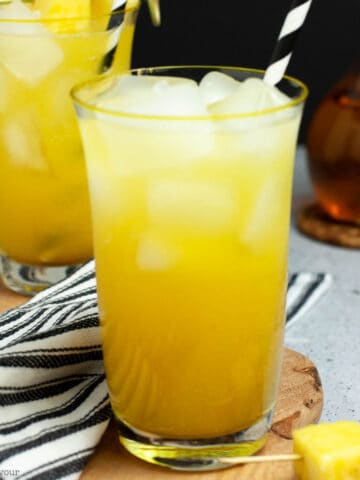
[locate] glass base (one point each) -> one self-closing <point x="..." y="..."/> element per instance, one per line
<point x="29" y="279"/>
<point x="194" y="455"/>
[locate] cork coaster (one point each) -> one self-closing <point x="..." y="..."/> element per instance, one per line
<point x="314" y="222"/>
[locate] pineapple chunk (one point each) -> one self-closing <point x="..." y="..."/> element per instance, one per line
<point x="101" y="13"/>
<point x="101" y="7"/>
<point x="72" y="14"/>
<point x="63" y="9"/>
<point x="330" y="451"/>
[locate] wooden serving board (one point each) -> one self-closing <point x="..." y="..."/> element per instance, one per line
<point x="299" y="403"/>
<point x="9" y="299"/>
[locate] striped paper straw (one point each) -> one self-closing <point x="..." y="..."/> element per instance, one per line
<point x="284" y="47"/>
<point x="117" y="7"/>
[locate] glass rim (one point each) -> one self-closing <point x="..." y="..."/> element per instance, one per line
<point x="50" y="20"/>
<point x="137" y="116"/>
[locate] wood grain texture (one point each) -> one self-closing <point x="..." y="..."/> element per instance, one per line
<point x="10" y="299"/>
<point x="299" y="403"/>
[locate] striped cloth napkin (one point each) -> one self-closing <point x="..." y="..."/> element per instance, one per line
<point x="53" y="394"/>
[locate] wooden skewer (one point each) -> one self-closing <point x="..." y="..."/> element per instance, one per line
<point x="260" y="459"/>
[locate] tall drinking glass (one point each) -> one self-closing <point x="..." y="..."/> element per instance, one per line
<point x="191" y="219"/>
<point x="44" y="205"/>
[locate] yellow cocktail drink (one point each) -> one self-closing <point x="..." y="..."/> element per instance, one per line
<point x="191" y="218"/>
<point x="196" y="294"/>
<point x="44" y="204"/>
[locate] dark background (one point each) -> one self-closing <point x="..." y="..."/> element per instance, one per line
<point x="244" y="32"/>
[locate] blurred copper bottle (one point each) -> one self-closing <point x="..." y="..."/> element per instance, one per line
<point x="334" y="150"/>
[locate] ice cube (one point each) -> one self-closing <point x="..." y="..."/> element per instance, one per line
<point x="17" y="10"/>
<point x="26" y="47"/>
<point x="155" y="253"/>
<point x="156" y="142"/>
<point x="252" y="95"/>
<point x="278" y="98"/>
<point x="264" y="214"/>
<point x="128" y="87"/>
<point x="191" y="206"/>
<point x="147" y="95"/>
<point x="23" y="144"/>
<point x="150" y="145"/>
<point x="216" y="86"/>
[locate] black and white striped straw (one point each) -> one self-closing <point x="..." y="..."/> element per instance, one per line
<point x="116" y="20"/>
<point x="119" y="17"/>
<point x="284" y="47"/>
<point x="117" y="7"/>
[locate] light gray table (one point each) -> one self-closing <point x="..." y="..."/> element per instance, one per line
<point x="329" y="333"/>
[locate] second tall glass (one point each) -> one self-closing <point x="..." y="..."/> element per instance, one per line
<point x="44" y="205"/>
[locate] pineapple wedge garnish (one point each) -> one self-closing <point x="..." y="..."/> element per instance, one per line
<point x="63" y="8"/>
<point x="330" y="451"/>
<point x="100" y="12"/>
<point x="64" y="16"/>
<point x="74" y="14"/>
<point x="100" y="7"/>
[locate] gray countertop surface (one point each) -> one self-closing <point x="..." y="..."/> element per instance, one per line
<point x="329" y="333"/>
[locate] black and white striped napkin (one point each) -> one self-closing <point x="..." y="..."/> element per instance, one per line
<point x="53" y="394"/>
